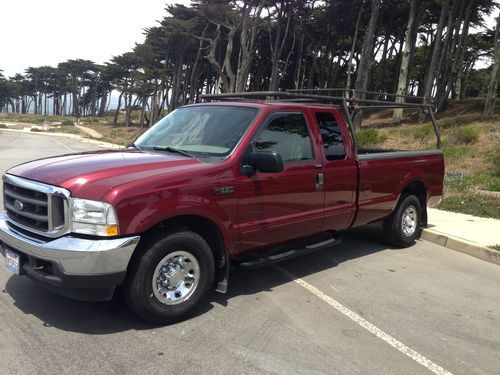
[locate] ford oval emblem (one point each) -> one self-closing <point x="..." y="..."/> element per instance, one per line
<point x="18" y="205"/>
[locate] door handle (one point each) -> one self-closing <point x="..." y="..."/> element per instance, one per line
<point x="319" y="181"/>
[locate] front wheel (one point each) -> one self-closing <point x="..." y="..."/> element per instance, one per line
<point x="170" y="278"/>
<point x="403" y="227"/>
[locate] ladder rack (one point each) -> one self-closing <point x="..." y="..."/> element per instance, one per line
<point x="350" y="100"/>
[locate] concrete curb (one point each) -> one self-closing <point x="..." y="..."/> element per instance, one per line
<point x="458" y="244"/>
<point x="74" y="136"/>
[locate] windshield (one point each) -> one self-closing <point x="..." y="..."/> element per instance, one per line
<point x="212" y="130"/>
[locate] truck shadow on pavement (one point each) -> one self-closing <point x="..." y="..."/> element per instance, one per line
<point x="110" y="317"/>
<point x="356" y="243"/>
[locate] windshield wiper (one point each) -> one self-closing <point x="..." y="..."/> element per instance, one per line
<point x="134" y="146"/>
<point x="173" y="150"/>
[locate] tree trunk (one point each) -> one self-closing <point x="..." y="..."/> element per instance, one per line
<point x="457" y="89"/>
<point x="299" y="63"/>
<point x="118" y="106"/>
<point x="215" y="64"/>
<point x="489" y="106"/>
<point x="363" y="73"/>
<point x="128" y="110"/>
<point x="366" y="61"/>
<point x="382" y="65"/>
<point x="409" y="48"/>
<point x="429" y="82"/>
<point x="102" y="104"/>
<point x="353" y="47"/>
<point x="279" y="43"/>
<point x="453" y="37"/>
<point x="194" y="73"/>
<point x="247" y="45"/>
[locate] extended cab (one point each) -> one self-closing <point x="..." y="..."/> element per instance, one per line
<point x="210" y="187"/>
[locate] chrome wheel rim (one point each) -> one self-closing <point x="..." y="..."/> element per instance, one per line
<point x="409" y="221"/>
<point x="176" y="277"/>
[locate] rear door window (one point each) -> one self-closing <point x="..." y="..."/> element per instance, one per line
<point x="331" y="135"/>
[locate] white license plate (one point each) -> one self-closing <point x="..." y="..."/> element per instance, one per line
<point x="12" y="262"/>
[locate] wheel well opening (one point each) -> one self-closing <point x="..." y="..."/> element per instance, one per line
<point x="200" y="225"/>
<point x="418" y="189"/>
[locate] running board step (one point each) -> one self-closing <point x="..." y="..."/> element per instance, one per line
<point x="286" y="252"/>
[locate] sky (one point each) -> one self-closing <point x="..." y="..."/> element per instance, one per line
<point x="47" y="32"/>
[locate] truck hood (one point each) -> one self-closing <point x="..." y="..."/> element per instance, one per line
<point x="92" y="174"/>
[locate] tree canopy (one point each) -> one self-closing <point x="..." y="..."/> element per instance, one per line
<point x="414" y="47"/>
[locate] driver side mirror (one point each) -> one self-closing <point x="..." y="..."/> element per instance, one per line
<point x="266" y="161"/>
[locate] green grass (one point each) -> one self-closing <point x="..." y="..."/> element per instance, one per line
<point x="31" y="119"/>
<point x="493" y="157"/>
<point x="423" y="132"/>
<point x="487" y="180"/>
<point x="67" y="122"/>
<point x="369" y="137"/>
<point x="484" y="180"/>
<point x="3" y="126"/>
<point x="65" y="129"/>
<point x="472" y="204"/>
<point x="495" y="247"/>
<point x="36" y="130"/>
<point x="451" y="151"/>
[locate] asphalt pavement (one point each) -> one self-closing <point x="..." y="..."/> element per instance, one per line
<point x="360" y="307"/>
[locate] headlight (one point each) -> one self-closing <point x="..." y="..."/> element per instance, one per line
<point x="93" y="217"/>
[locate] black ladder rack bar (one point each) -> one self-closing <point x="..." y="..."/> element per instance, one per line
<point x="338" y="100"/>
<point x="353" y="92"/>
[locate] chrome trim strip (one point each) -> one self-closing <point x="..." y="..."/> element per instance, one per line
<point x="50" y="191"/>
<point x="76" y="256"/>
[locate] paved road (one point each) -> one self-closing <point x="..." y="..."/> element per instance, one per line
<point x="358" y="308"/>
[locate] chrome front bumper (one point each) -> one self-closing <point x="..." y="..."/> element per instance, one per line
<point x="74" y="256"/>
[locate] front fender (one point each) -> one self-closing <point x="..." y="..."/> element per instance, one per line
<point x="141" y="212"/>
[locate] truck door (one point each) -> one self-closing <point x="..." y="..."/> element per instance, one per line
<point x="340" y="170"/>
<point x="276" y="207"/>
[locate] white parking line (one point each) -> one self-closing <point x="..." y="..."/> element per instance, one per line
<point x="417" y="357"/>
<point x="62" y="144"/>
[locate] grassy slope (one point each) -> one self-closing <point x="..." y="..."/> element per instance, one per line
<point x="471" y="147"/>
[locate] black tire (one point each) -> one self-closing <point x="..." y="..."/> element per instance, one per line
<point x="138" y="288"/>
<point x="395" y="233"/>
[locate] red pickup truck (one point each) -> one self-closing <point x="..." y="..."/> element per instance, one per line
<point x="212" y="186"/>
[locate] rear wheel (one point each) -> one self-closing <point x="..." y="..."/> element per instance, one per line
<point x="170" y="278"/>
<point x="403" y="227"/>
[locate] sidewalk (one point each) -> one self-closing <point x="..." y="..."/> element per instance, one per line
<point x="465" y="233"/>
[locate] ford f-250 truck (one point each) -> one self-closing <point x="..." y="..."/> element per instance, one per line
<point x="214" y="185"/>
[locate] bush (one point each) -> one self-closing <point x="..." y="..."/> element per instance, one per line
<point x="369" y="137"/>
<point x="3" y="126"/>
<point x="423" y="132"/>
<point x="493" y="157"/>
<point x="450" y="151"/>
<point x="465" y="135"/>
<point x="35" y="130"/>
<point x="67" y="123"/>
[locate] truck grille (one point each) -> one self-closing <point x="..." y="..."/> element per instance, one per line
<point x="36" y="207"/>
